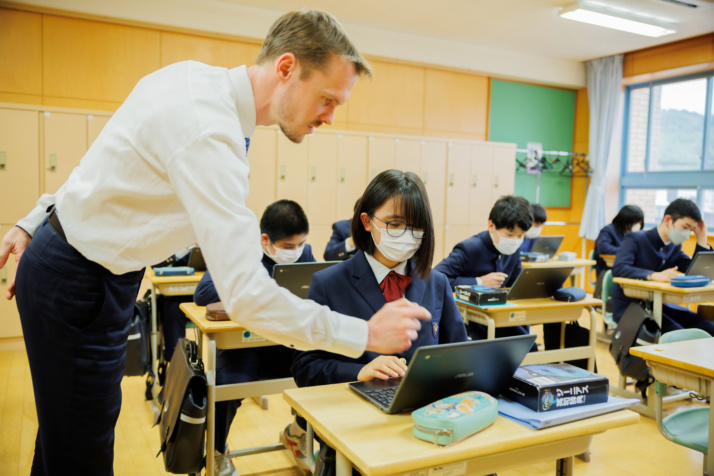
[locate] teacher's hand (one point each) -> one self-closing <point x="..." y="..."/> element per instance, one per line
<point x="393" y="328"/>
<point x="14" y="242"/>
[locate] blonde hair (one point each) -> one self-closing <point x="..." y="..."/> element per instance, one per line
<point x="313" y="36"/>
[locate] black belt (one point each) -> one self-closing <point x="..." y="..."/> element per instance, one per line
<point x="56" y="225"/>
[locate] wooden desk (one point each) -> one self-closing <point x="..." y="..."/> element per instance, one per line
<point x="379" y="444"/>
<point x="579" y="265"/>
<point x="168" y="286"/>
<point x="230" y="335"/>
<point x="686" y="364"/>
<point x="524" y="312"/>
<point x="608" y="259"/>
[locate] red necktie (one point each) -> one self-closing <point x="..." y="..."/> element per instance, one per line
<point x="393" y="285"/>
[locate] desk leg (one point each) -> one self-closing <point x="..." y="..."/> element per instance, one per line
<point x="709" y="457"/>
<point x="310" y="445"/>
<point x="211" y="410"/>
<point x="154" y="341"/>
<point x="344" y="467"/>
<point x="565" y="466"/>
<point x="593" y="338"/>
<point x="657" y="307"/>
<point x="491" y="329"/>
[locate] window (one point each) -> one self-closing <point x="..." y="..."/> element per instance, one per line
<point x="668" y="145"/>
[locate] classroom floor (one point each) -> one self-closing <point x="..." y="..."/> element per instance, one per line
<point x="633" y="450"/>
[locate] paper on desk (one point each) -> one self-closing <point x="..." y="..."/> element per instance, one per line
<point x="526" y="416"/>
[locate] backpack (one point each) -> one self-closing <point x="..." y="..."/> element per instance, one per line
<point x="138" y="347"/>
<point x="636" y="327"/>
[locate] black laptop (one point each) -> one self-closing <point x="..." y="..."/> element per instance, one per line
<point x="702" y="265"/>
<point x="438" y="371"/>
<point x="195" y="259"/>
<point x="539" y="282"/>
<point x="548" y="245"/>
<point x="296" y="277"/>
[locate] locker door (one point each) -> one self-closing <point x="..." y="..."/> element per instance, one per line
<point x="292" y="169"/>
<point x="458" y="169"/>
<point x="382" y="155"/>
<point x="433" y="174"/>
<point x="351" y="173"/>
<point x="65" y="142"/>
<point x="408" y="156"/>
<point x="504" y="170"/>
<point x="481" y="184"/>
<point x="8" y="309"/>
<point x="262" y="155"/>
<point x="321" y="207"/>
<point x="95" y="124"/>
<point x="19" y="164"/>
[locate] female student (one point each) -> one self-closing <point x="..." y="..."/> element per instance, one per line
<point x="394" y="235"/>
<point x="629" y="218"/>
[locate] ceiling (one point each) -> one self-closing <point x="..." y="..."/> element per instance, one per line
<point x="523" y="40"/>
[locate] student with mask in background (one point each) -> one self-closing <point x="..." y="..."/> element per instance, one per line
<point x="492" y="258"/>
<point x="656" y="255"/>
<point x="540" y="216"/>
<point x="284" y="228"/>
<point x="341" y="245"/>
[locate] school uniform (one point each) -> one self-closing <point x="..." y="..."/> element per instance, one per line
<point x="644" y="252"/>
<point x="607" y="243"/>
<point x="475" y="257"/>
<point x="528" y="244"/>
<point x="352" y="287"/>
<point x="244" y="365"/>
<point x="336" y="249"/>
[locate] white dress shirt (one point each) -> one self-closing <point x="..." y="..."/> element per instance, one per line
<point x="380" y="271"/>
<point x="169" y="169"/>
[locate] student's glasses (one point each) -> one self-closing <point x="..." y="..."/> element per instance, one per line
<point x="396" y="228"/>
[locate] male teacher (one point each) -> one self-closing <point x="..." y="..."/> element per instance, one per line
<point x="170" y="169"/>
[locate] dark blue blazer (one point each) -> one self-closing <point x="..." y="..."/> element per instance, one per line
<point x="607" y="243"/>
<point x="527" y="245"/>
<point x="335" y="249"/>
<point x="476" y="257"/>
<point x="351" y="288"/>
<point x="641" y="253"/>
<point x="206" y="293"/>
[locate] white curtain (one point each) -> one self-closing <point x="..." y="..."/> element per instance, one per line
<point x="604" y="82"/>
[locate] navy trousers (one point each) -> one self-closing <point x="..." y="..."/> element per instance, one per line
<point x="75" y="320"/>
<point x="677" y="317"/>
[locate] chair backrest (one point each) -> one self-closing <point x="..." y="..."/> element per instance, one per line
<point x="606" y="286"/>
<point x="591" y="268"/>
<point x="683" y="334"/>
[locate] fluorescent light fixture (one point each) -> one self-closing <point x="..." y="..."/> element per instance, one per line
<point x="601" y="15"/>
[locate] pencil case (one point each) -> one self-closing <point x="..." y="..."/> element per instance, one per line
<point x="174" y="271"/>
<point x="689" y="281"/>
<point x="454" y="418"/>
<point x="216" y="312"/>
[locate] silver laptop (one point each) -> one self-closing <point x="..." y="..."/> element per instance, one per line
<point x="548" y="245"/>
<point x="438" y="371"/>
<point x="296" y="277"/>
<point x="702" y="265"/>
<point x="539" y="282"/>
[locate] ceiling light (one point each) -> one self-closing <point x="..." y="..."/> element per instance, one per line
<point x="601" y="15"/>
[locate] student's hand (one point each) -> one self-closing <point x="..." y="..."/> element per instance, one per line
<point x="664" y="276"/>
<point x="700" y="230"/>
<point x="14" y="242"/>
<point x="383" y="367"/>
<point x="495" y="280"/>
<point x="393" y="328"/>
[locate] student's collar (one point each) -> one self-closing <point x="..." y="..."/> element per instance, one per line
<point x="245" y="100"/>
<point x="664" y="239"/>
<point x="380" y="271"/>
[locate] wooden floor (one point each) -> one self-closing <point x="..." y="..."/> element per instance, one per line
<point x="634" y="450"/>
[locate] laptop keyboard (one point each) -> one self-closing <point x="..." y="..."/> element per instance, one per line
<point x="382" y="395"/>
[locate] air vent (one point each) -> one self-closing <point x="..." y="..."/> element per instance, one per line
<point x="693" y="4"/>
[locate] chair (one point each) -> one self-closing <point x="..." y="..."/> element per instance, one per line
<point x="591" y="270"/>
<point x="690" y="427"/>
<point x="608" y="322"/>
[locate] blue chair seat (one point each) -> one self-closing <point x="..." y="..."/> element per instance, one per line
<point x="689" y="428"/>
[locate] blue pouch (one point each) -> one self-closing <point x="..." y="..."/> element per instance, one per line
<point x="174" y="271"/>
<point x="454" y="418"/>
<point x="689" y="281"/>
<point x="569" y="294"/>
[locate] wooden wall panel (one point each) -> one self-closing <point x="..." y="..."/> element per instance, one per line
<point x="581" y="136"/>
<point x="455" y="105"/>
<point x="177" y="47"/>
<point x="20" y="52"/>
<point x="96" y="61"/>
<point x="670" y="56"/>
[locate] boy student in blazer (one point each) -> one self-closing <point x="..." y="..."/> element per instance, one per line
<point x="393" y="231"/>
<point x="657" y="255"/>
<point x="284" y="228"/>
<point x="492" y="258"/>
<point x="539" y="218"/>
<point x="341" y="245"/>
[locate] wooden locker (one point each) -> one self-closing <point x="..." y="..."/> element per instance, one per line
<point x="439" y="252"/>
<point x="351" y="173"/>
<point x="433" y="174"/>
<point x="504" y="170"/>
<point x="19" y="164"/>
<point x="480" y="183"/>
<point x="318" y="238"/>
<point x="95" y="124"/>
<point x="321" y="207"/>
<point x="65" y="142"/>
<point x="454" y="234"/>
<point x="292" y="169"/>
<point x="382" y="155"/>
<point x="8" y="309"/>
<point x="262" y="155"/>
<point x="408" y="156"/>
<point x="457" y="184"/>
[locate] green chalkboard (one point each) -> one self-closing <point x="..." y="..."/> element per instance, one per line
<point x="523" y="113"/>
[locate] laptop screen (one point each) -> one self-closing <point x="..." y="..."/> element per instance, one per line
<point x="539" y="282"/>
<point x="296" y="277"/>
<point x="548" y="244"/>
<point x="702" y="265"/>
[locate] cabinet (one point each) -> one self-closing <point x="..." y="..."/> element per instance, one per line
<point x="262" y="155"/>
<point x="19" y="163"/>
<point x="292" y="170"/>
<point x="8" y="309"/>
<point x="351" y="173"/>
<point x="65" y="142"/>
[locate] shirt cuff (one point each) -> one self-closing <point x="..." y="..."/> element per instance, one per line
<point x="32" y="221"/>
<point x="479" y="282"/>
<point x="349" y="248"/>
<point x="351" y="337"/>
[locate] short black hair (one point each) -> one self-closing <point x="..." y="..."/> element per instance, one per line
<point x="283" y="219"/>
<point x="628" y="216"/>
<point x="539" y="213"/>
<point x="683" y="208"/>
<point x="509" y="211"/>
<point x="409" y="194"/>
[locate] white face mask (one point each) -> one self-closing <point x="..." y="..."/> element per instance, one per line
<point x="399" y="248"/>
<point x="282" y="256"/>
<point x="678" y="236"/>
<point x="533" y="232"/>
<point x="636" y="227"/>
<point x="505" y="245"/>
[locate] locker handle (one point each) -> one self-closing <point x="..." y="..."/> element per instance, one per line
<point x="283" y="170"/>
<point x="474" y="183"/>
<point x="3" y="160"/>
<point x="313" y="174"/>
<point x="342" y="175"/>
<point x="451" y="180"/>
<point x="3" y="276"/>
<point x="424" y="177"/>
<point x="495" y="181"/>
<point x="53" y="163"/>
